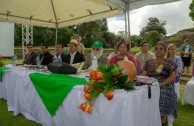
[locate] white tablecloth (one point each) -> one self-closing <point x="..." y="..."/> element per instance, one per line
<point x="132" y="108"/>
<point x="189" y="92"/>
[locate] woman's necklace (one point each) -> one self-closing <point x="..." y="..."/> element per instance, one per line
<point x="159" y="66"/>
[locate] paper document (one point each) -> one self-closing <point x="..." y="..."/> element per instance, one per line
<point x="78" y="66"/>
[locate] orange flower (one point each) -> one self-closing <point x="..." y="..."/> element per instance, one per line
<point x="83" y="106"/>
<point x="88" y="109"/>
<point x="99" y="75"/>
<point x="101" y="80"/>
<point x="86" y="89"/>
<point x="93" y="74"/>
<point x="109" y="95"/>
<point x="87" y="96"/>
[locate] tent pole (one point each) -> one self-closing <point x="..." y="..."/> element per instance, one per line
<point x="56" y="33"/>
<point x="125" y="24"/>
<point x="128" y="21"/>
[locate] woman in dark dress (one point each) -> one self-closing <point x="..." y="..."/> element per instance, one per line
<point x="164" y="71"/>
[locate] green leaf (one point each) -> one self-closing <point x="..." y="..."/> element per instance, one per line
<point x="93" y="94"/>
<point x="115" y="70"/>
<point x="122" y="79"/>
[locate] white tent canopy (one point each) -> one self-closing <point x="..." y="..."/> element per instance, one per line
<point x="60" y="13"/>
<point x="54" y="13"/>
<point x="135" y="4"/>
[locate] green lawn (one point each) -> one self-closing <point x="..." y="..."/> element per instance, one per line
<point x="9" y="61"/>
<point x="8" y="119"/>
<point x="185" y="112"/>
<point x="185" y="115"/>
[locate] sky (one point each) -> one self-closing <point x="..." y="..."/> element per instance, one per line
<point x="176" y="14"/>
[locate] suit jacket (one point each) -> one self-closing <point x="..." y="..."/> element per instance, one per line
<point x="46" y="58"/>
<point x="30" y="58"/>
<point x="79" y="57"/>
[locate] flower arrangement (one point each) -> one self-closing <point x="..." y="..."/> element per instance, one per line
<point x="1" y="63"/>
<point x="105" y="80"/>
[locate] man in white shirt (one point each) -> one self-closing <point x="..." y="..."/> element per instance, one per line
<point x="74" y="56"/>
<point x="144" y="55"/>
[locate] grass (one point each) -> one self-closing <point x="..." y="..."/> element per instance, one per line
<point x="8" y="118"/>
<point x="9" y="61"/>
<point x="185" y="115"/>
<point x="185" y="112"/>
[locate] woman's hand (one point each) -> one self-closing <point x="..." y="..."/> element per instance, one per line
<point x="168" y="80"/>
<point x="161" y="85"/>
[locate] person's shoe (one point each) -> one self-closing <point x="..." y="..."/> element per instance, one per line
<point x="163" y="124"/>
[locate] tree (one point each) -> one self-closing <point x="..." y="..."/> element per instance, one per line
<point x="91" y="27"/>
<point x="64" y="35"/>
<point x="43" y="35"/>
<point x="121" y="34"/>
<point x="191" y="13"/>
<point x="90" y="31"/>
<point x="153" y="25"/>
<point x="136" y="39"/>
<point x="18" y="35"/>
<point x="95" y="30"/>
<point x="153" y="37"/>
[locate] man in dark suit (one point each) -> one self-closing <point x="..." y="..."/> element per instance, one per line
<point x="60" y="56"/>
<point x="30" y="57"/>
<point x="46" y="57"/>
<point x="74" y="56"/>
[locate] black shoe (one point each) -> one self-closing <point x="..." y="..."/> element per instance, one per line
<point x="163" y="124"/>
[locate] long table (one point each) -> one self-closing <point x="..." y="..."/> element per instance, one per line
<point x="189" y="92"/>
<point x="132" y="108"/>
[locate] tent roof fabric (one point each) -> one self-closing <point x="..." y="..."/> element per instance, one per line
<point x="135" y="4"/>
<point x="54" y="13"/>
<point x="60" y="13"/>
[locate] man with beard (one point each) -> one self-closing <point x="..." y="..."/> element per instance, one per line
<point x="96" y="52"/>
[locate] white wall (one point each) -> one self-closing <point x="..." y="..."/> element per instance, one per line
<point x="6" y="39"/>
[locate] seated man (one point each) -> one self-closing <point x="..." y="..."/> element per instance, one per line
<point x="30" y="57"/>
<point x="59" y="57"/>
<point x="46" y="57"/>
<point x="74" y="56"/>
<point x="97" y="52"/>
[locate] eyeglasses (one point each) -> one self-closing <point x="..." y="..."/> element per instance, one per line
<point x="159" y="49"/>
<point x="96" y="49"/>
